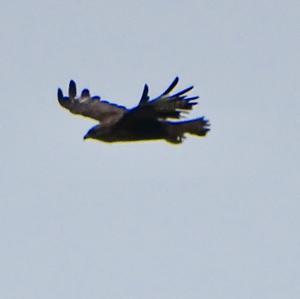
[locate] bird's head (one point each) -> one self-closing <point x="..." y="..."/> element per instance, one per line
<point x="93" y="133"/>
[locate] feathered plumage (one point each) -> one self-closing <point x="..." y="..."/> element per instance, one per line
<point x="149" y="120"/>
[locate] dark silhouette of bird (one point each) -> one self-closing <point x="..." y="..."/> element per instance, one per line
<point x="149" y="120"/>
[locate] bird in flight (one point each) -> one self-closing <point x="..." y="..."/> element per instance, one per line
<point x="151" y="119"/>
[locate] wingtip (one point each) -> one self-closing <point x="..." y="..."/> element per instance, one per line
<point x="96" y="98"/>
<point x="72" y="89"/>
<point x="146" y="91"/>
<point x="144" y="99"/>
<point x="175" y="81"/>
<point x="85" y="93"/>
<point x="171" y="87"/>
<point x="60" y="95"/>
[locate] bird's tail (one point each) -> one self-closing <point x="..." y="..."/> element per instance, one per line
<point x="177" y="130"/>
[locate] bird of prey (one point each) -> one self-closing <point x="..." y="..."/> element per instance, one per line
<point x="149" y="120"/>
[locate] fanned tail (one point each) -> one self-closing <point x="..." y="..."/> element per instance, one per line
<point x="177" y="130"/>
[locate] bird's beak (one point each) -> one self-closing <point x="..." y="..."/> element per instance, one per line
<point x="86" y="136"/>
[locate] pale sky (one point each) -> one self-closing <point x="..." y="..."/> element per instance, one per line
<point x="214" y="218"/>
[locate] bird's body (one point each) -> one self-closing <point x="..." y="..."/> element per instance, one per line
<point x="149" y="120"/>
<point x="129" y="131"/>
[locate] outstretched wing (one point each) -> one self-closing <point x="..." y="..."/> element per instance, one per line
<point x="103" y="111"/>
<point x="166" y="105"/>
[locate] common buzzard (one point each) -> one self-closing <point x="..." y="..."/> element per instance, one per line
<point x="149" y="120"/>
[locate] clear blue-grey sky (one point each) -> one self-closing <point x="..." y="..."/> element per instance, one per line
<point x="213" y="218"/>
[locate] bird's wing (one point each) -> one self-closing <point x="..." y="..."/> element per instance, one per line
<point x="93" y="107"/>
<point x="168" y="105"/>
